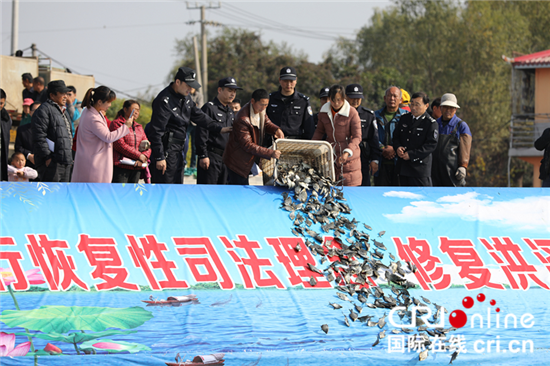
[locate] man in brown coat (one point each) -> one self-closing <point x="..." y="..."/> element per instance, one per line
<point x="245" y="140"/>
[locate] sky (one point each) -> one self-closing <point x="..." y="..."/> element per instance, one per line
<point x="129" y="45"/>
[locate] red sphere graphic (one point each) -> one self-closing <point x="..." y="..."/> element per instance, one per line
<point x="458" y="318"/>
<point x="497" y="310"/>
<point x="493" y="302"/>
<point x="467" y="302"/>
<point x="481" y="297"/>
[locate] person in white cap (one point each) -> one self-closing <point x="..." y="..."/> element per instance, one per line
<point x="449" y="167"/>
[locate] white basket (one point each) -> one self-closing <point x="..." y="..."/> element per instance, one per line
<point x="317" y="154"/>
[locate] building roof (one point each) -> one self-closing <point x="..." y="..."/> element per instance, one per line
<point x="534" y="60"/>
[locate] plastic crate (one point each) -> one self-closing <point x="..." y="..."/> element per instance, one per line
<point x="317" y="154"/>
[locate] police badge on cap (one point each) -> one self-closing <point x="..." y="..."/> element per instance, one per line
<point x="229" y="82"/>
<point x="354" y="91"/>
<point x="288" y="73"/>
<point x="188" y="75"/>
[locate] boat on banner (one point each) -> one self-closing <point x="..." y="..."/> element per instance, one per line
<point x="213" y="359"/>
<point x="171" y="300"/>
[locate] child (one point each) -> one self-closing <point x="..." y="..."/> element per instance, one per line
<point x="17" y="171"/>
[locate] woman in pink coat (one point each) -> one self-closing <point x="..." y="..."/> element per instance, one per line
<point x="342" y="126"/>
<point x="94" y="144"/>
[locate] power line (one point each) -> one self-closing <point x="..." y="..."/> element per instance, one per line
<point x="97" y="81"/>
<point x="103" y="27"/>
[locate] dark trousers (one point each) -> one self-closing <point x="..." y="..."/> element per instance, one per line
<point x="121" y="175"/>
<point x="235" y="179"/>
<point x="54" y="172"/>
<point x="405" y="181"/>
<point x="174" y="167"/>
<point x="216" y="173"/>
<point x="546" y="182"/>
<point x="387" y="174"/>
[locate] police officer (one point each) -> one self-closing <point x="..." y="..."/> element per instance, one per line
<point x="289" y="109"/>
<point x="173" y="109"/>
<point x="323" y="96"/>
<point x="210" y="145"/>
<point x="414" y="139"/>
<point x="370" y="149"/>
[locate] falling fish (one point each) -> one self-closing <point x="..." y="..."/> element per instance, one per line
<point x="324" y="327"/>
<point x="298" y="247"/>
<point x="454" y="356"/>
<point x="380" y="234"/>
<point x="368" y="227"/>
<point x="335" y="305"/>
<point x="423" y="355"/>
<point x="312" y="281"/>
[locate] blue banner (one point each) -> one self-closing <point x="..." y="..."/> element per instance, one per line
<point x="191" y="275"/>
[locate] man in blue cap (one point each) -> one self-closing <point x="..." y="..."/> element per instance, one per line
<point x="173" y="109"/>
<point x="211" y="145"/>
<point x="370" y="149"/>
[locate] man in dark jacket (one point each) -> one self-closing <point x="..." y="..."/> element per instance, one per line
<point x="289" y="109"/>
<point x="245" y="141"/>
<point x="543" y="143"/>
<point x="370" y="149"/>
<point x="173" y="109"/>
<point x="5" y="127"/>
<point x="52" y="136"/>
<point x="40" y="91"/>
<point x="386" y="119"/>
<point x="210" y="145"/>
<point x="414" y="140"/>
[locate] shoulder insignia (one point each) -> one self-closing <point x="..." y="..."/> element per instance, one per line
<point x="210" y="103"/>
<point x="166" y="99"/>
<point x="370" y="111"/>
<point x="303" y="96"/>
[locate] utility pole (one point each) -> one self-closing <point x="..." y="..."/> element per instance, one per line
<point x="204" y="23"/>
<point x="14" y="26"/>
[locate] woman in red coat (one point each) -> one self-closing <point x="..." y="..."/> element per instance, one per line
<point x="342" y="126"/>
<point x="128" y="159"/>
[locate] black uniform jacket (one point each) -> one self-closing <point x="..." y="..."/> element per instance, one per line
<point x="172" y="112"/>
<point x="419" y="137"/>
<point x="206" y="140"/>
<point x="293" y="115"/>
<point x="370" y="146"/>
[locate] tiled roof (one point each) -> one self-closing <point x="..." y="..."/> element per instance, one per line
<point x="535" y="59"/>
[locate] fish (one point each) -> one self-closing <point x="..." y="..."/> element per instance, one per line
<point x="343" y="297"/>
<point x="312" y="281"/>
<point x="335" y="305"/>
<point x="382" y="321"/>
<point x="358" y="308"/>
<point x="313" y="268"/>
<point x="346" y="321"/>
<point x="426" y="300"/>
<point x="324" y="327"/>
<point x="298" y="247"/>
<point x="376" y="342"/>
<point x="368" y="227"/>
<point x="380" y="234"/>
<point x="454" y="356"/>
<point x="353" y="315"/>
<point x="423" y="355"/>
<point x="382" y="334"/>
